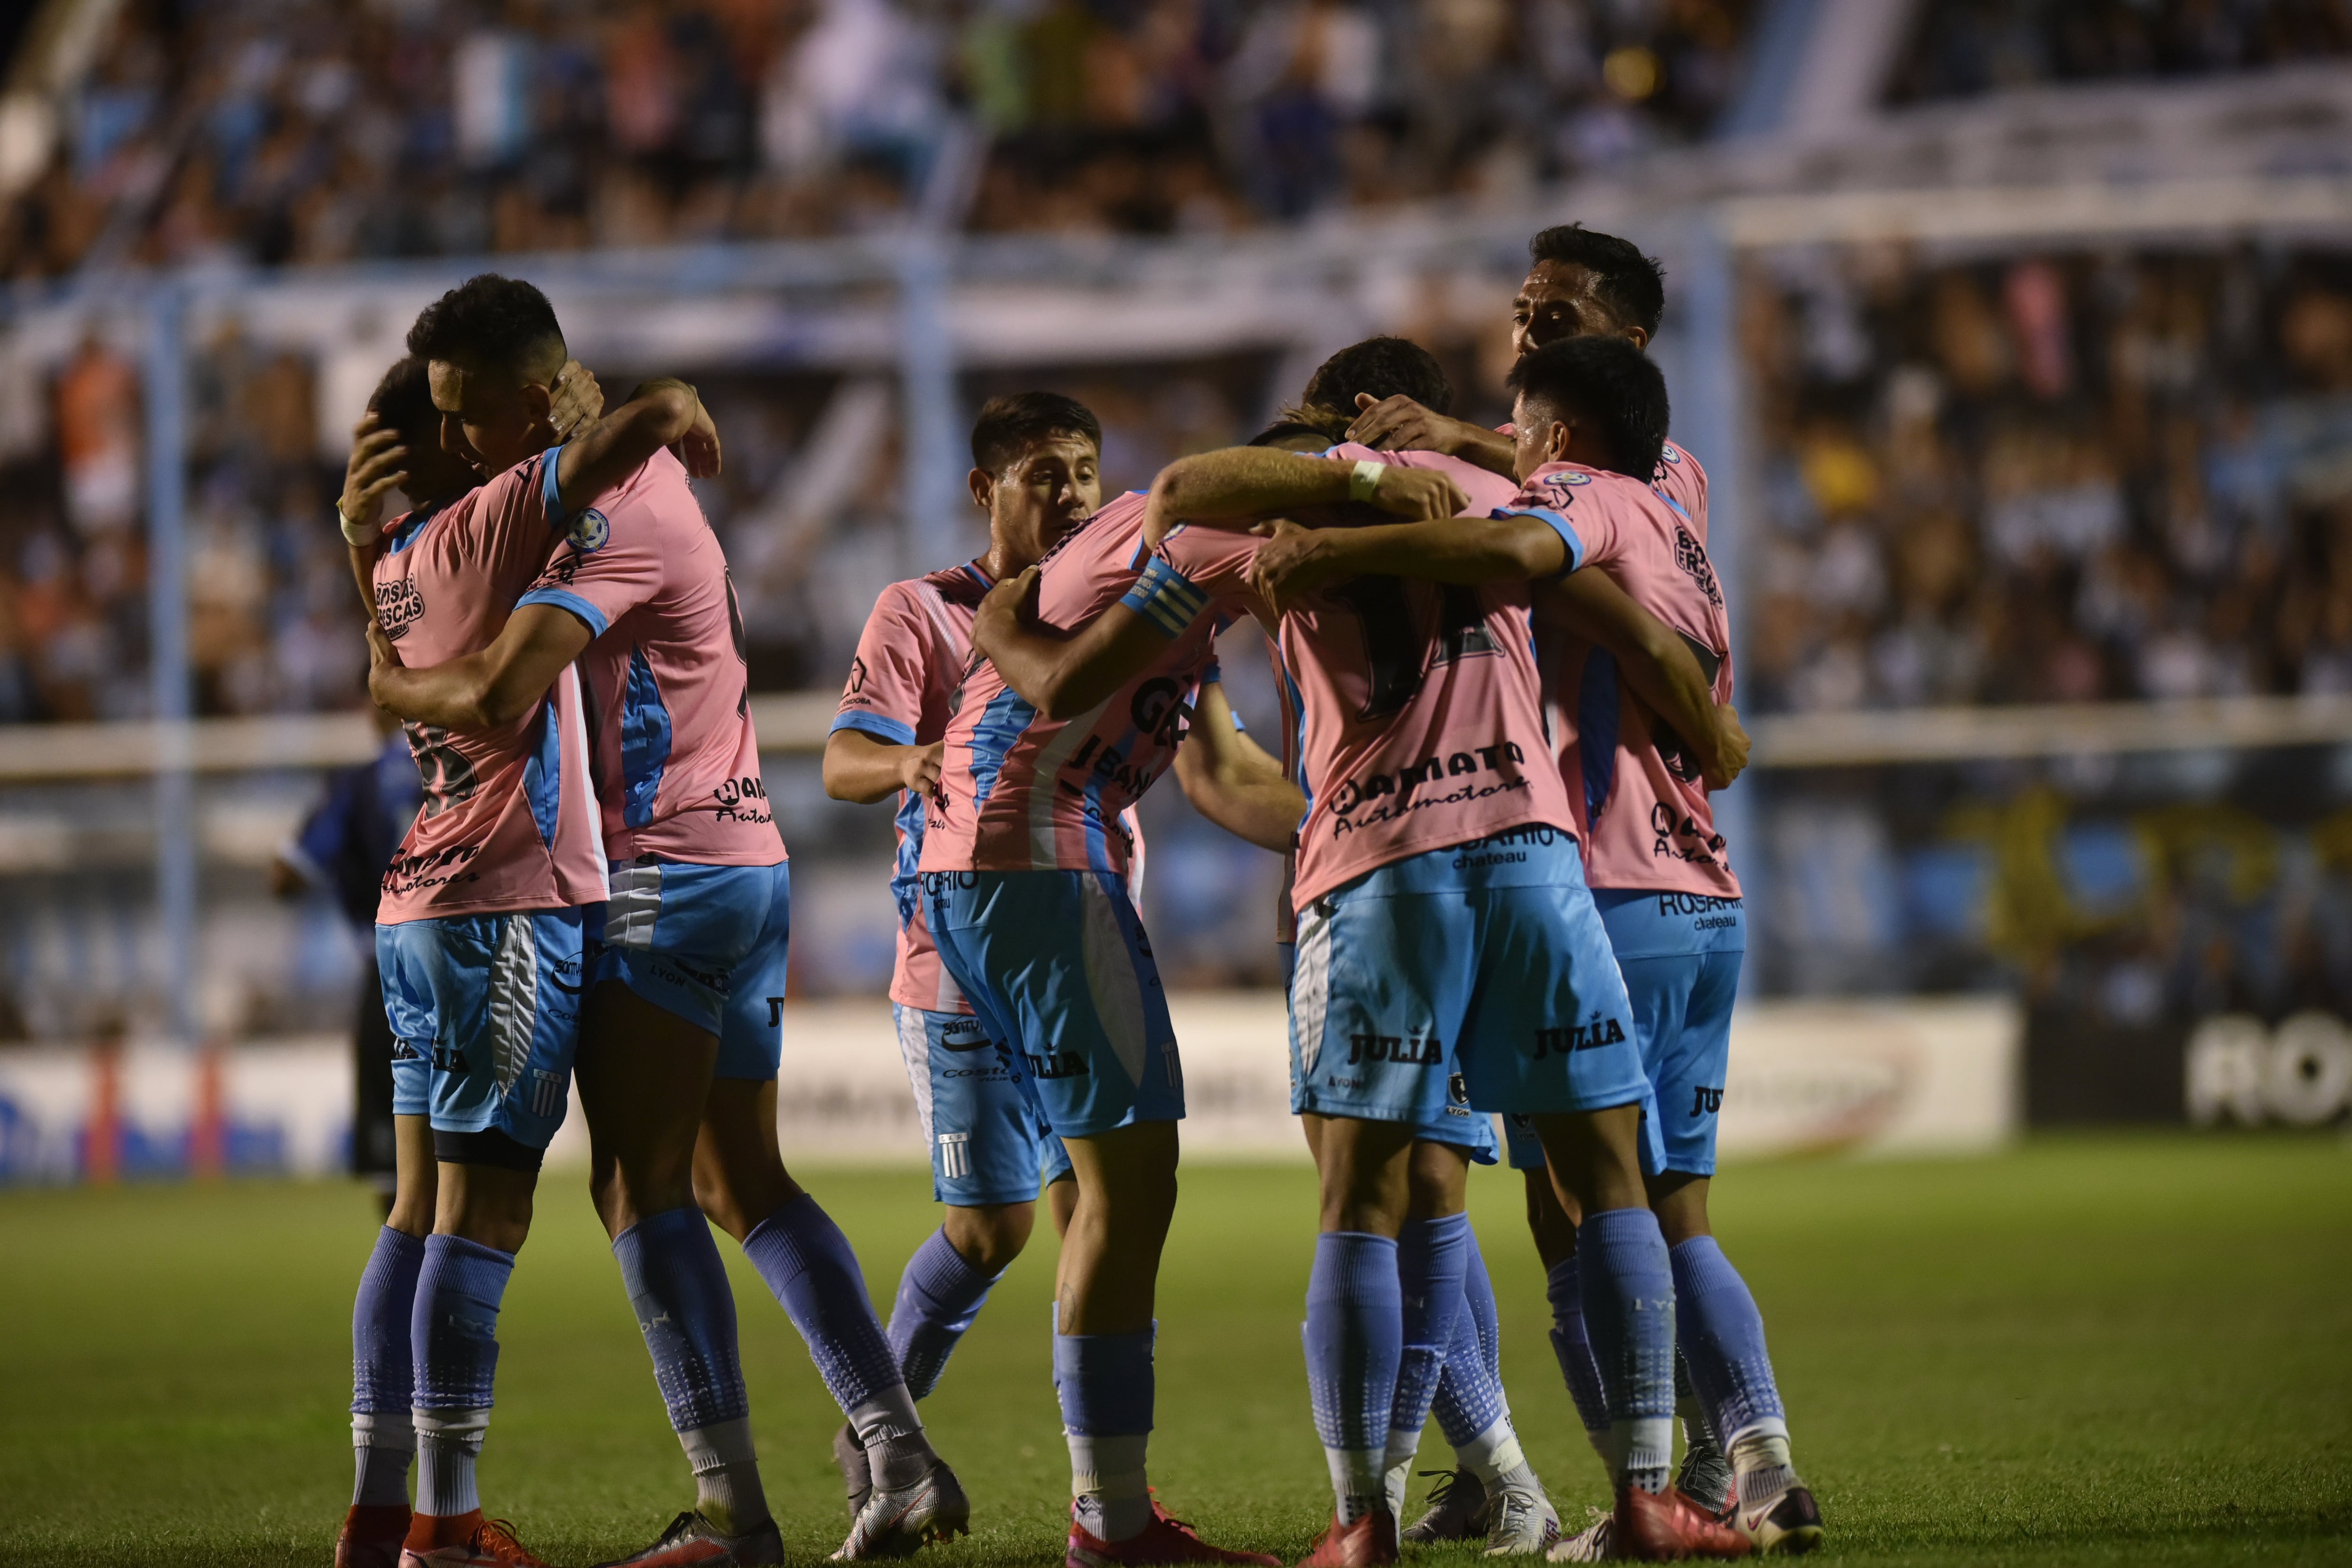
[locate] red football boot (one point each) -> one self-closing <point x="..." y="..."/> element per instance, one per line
<point x="1369" y="1542"/>
<point x="1667" y="1527"/>
<point x="465" y="1541"/>
<point x="1166" y="1539"/>
<point x="371" y="1537"/>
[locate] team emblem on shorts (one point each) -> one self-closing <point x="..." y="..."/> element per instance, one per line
<point x="589" y="532"/>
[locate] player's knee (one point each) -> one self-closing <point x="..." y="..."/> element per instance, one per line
<point x="989" y="1237"/>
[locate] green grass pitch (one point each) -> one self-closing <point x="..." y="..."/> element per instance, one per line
<point x="2104" y="1351"/>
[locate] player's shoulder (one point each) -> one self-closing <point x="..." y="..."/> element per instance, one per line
<point x="1110" y="527"/>
<point x="963" y="586"/>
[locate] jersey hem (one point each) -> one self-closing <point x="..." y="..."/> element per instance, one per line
<point x="1306" y="892"/>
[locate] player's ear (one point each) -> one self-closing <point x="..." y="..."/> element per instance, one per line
<point x="538" y="400"/>
<point x="1638" y="336"/>
<point x="1560" y="444"/>
<point x="983" y="489"/>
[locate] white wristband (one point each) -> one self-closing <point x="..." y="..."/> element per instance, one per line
<point x="1365" y="479"/>
<point x="358" y="534"/>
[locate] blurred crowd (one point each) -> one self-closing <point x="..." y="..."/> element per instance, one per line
<point x="1958" y="49"/>
<point x="2054" y="478"/>
<point x="315" y="131"/>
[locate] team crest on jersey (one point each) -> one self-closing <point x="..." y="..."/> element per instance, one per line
<point x="590" y="531"/>
<point x="1691" y="556"/>
<point x="1668" y="454"/>
<point x="1571" y="478"/>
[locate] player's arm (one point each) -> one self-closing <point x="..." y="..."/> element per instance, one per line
<point x="1400" y="425"/>
<point x="1294" y="561"/>
<point x="862" y="769"/>
<point x="479" y="690"/>
<point x="1063" y="675"/>
<point x="1660" y="667"/>
<point x="1231" y="780"/>
<point x="664" y="413"/>
<point x="1235" y="486"/>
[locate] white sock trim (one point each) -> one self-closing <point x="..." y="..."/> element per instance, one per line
<point x="890" y="1413"/>
<point x="1492" y="1453"/>
<point x="394" y="1429"/>
<point x="719" y="1445"/>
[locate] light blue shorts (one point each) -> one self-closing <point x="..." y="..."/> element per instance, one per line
<point x="1454" y="1122"/>
<point x="1058" y="966"/>
<point x="1485" y="960"/>
<point x="486" y="1011"/>
<point x="708" y="943"/>
<point x="988" y="1143"/>
<point x="1681" y="954"/>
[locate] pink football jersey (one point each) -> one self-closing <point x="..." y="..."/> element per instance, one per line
<point x="901" y="691"/>
<point x="1423" y="717"/>
<point x="1679" y="480"/>
<point x="677" y="764"/>
<point x="509" y="816"/>
<point x="1020" y="791"/>
<point x="1641" y="806"/>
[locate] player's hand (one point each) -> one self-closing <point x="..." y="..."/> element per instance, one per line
<point x="1294" y="560"/>
<point x="1400" y="425"/>
<point x="382" y="657"/>
<point x="1418" y="495"/>
<point x="1730" y="748"/>
<point x="918" y="766"/>
<point x="578" y="401"/>
<point x="373" y="471"/>
<point x="699" y="447"/>
<point x="1006" y="610"/>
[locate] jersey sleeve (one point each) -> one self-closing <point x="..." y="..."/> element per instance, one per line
<point x="514" y="524"/>
<point x="1574" y="508"/>
<point x="884" y="697"/>
<point x="1195" y="572"/>
<point x="599" y="572"/>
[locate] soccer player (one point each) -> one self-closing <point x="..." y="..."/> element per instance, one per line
<point x="1589" y="412"/>
<point x="1036" y="460"/>
<point x="1434" y="863"/>
<point x="681" y="1037"/>
<point x="479" y="941"/>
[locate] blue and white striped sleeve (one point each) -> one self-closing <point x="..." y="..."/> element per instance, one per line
<point x="1166" y="598"/>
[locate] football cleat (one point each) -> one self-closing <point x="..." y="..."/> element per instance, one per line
<point x="371" y="1536"/>
<point x="895" y="1522"/>
<point x="1458" y="1508"/>
<point x="693" y="1542"/>
<point x="1666" y="1527"/>
<point x="1520" y="1522"/>
<point x="1369" y="1542"/>
<point x="1789" y="1520"/>
<point x="465" y="1541"/>
<point x="1590" y="1544"/>
<point x="857" y="1470"/>
<point x="1166" y="1539"/>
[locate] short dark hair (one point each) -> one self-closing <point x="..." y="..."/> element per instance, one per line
<point x="1384" y="367"/>
<point x="403" y="401"/>
<point x="1607" y="382"/>
<point x="493" y="321"/>
<point x="1633" y="286"/>
<point x="1010" y="425"/>
<point x="1288" y="426"/>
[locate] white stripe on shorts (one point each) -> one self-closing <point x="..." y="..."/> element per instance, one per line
<point x="632" y="903"/>
<point x="915" y="1046"/>
<point x="1310" y="989"/>
<point x="1111" y="981"/>
<point x="514" y="999"/>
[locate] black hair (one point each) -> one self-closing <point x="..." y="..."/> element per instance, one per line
<point x="1384" y="367"/>
<point x="1010" y="425"/>
<point x="403" y="401"/>
<point x="1633" y="286"/>
<point x="1290" y="424"/>
<point x="1605" y="383"/>
<point x="492" y="322"/>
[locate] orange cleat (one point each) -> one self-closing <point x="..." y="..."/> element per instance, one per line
<point x="1369" y="1542"/>
<point x="371" y="1537"/>
<point x="465" y="1541"/>
<point x="1166" y="1539"/>
<point x="1667" y="1527"/>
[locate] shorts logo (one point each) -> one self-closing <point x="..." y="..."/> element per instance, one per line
<point x="1601" y="1031"/>
<point x="546" y="1092"/>
<point x="965" y="1037"/>
<point x="590" y="531"/>
<point x="1704" y="1101"/>
<point x="1411" y="1050"/>
<point x="1457" y="1092"/>
<point x="1056" y="1064"/>
<point x="955" y="1155"/>
<point x="402" y="1051"/>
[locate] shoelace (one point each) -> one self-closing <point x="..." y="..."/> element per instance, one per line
<point x="500" y="1533"/>
<point x="1441" y="1493"/>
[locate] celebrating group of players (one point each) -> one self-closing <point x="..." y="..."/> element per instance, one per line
<point x="1503" y="665"/>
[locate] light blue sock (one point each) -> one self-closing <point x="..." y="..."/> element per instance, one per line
<point x="686" y="1309"/>
<point x="1722" y="1336"/>
<point x="1563" y="1286"/>
<point x="383" y="1379"/>
<point x="1431" y="1255"/>
<point x="1355" y="1338"/>
<point x="1471" y="1407"/>
<point x="1107" y="1388"/>
<point x="1628" y="1315"/>
<point x="808" y="1263"/>
<point x="453" y="1339"/>
<point x="939" y="1295"/>
<point x="1478" y="1291"/>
